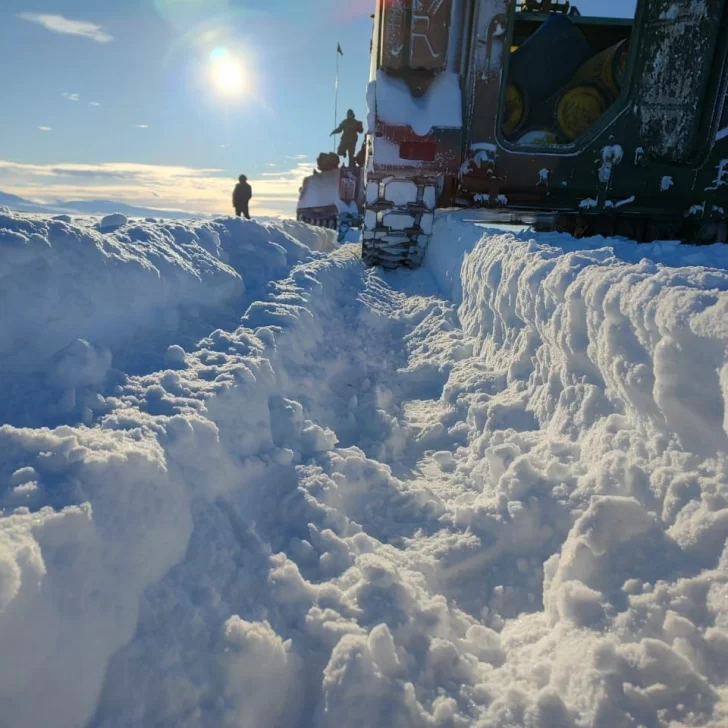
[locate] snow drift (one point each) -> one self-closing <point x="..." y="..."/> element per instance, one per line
<point x="595" y="472"/>
<point x="375" y="500"/>
<point x="124" y="285"/>
<point x="64" y="281"/>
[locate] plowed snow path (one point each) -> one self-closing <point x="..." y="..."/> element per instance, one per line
<point x="367" y="359"/>
<point x="371" y="505"/>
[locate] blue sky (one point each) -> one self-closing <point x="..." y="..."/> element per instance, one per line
<point x="113" y="99"/>
<point x="148" y="63"/>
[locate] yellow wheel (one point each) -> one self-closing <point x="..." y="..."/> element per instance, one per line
<point x="578" y="109"/>
<point x="515" y="109"/>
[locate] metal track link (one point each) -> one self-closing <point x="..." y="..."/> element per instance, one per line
<point x="399" y="212"/>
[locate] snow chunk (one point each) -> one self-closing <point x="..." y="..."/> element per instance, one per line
<point x="23" y="475"/>
<point x="81" y="364"/>
<point x="112" y="221"/>
<point x="259" y="671"/>
<point x="440" y="107"/>
<point x="666" y="183"/>
<point x="320" y="190"/>
<point x="175" y="356"/>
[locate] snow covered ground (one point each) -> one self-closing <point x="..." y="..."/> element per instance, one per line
<point x="279" y="489"/>
<point x="127" y="289"/>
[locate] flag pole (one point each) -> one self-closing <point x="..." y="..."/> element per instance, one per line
<point x="336" y="92"/>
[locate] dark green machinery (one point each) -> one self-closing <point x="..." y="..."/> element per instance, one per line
<point x="537" y="113"/>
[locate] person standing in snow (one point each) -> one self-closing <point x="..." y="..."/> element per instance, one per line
<point x="241" y="197"/>
<point x="349" y="129"/>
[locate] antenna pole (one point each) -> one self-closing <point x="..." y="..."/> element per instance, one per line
<point x="336" y="95"/>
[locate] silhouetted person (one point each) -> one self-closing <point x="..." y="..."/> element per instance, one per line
<point x="241" y="197"/>
<point x="349" y="129"/>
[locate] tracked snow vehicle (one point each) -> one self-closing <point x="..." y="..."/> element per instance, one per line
<point x="540" y="114"/>
<point x="332" y="197"/>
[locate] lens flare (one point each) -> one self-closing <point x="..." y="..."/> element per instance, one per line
<point x="219" y="54"/>
<point x="228" y="76"/>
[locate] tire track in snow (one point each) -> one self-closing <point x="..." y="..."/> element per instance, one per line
<point x="345" y="343"/>
<point x="344" y="504"/>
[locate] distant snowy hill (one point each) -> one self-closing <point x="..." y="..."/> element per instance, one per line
<point x="91" y="207"/>
<point x="18" y="203"/>
<point x="105" y="207"/>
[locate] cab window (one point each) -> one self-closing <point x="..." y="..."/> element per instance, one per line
<point x="568" y="66"/>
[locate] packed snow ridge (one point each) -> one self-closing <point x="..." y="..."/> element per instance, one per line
<point x="289" y="491"/>
<point x="77" y="293"/>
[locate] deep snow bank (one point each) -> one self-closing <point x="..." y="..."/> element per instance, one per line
<point x="594" y="487"/>
<point x="93" y="517"/>
<point x="78" y="296"/>
<point x="590" y="334"/>
<point x="63" y="281"/>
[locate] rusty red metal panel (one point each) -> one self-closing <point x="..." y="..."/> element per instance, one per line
<point x="424" y="151"/>
<point x="415" y="35"/>
<point x="430" y="34"/>
<point x="395" y="34"/>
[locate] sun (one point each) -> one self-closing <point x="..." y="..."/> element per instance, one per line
<point x="228" y="74"/>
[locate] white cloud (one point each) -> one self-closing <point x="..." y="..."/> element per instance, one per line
<point x="60" y="24"/>
<point x="165" y="187"/>
<point x="141" y="126"/>
<point x="297" y="156"/>
<point x="44" y="128"/>
<point x="94" y="103"/>
<point x="271" y="164"/>
<point x="70" y="97"/>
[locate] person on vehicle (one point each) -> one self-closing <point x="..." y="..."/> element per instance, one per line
<point x="349" y="129"/>
<point x="361" y="156"/>
<point x="241" y="197"/>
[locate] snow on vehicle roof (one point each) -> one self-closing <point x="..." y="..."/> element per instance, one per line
<point x="320" y="190"/>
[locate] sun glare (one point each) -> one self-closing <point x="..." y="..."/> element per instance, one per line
<point x="228" y="74"/>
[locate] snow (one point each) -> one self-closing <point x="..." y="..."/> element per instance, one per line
<point x="721" y="177"/>
<point x="491" y="492"/>
<point x="72" y="295"/>
<point x="371" y="107"/>
<point x="88" y="207"/>
<point x="400" y="192"/>
<point x="484" y="152"/>
<point x="113" y="220"/>
<point x="611" y="156"/>
<point x="440" y="107"/>
<point x="320" y="190"/>
<point x="620" y="203"/>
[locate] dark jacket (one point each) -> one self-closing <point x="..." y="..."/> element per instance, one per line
<point x="351" y="128"/>
<point x="242" y="195"/>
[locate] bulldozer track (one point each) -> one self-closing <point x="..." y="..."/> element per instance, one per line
<point x="399" y="213"/>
